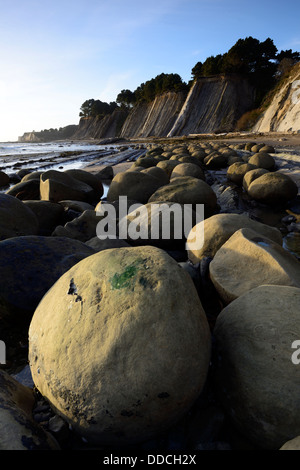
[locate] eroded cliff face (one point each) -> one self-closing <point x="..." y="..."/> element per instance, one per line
<point x="155" y="118"/>
<point x="99" y="128"/>
<point x="29" y="137"/>
<point x="214" y="104"/>
<point x="283" y="114"/>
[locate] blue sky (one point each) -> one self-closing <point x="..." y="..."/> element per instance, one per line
<point x="56" y="54"/>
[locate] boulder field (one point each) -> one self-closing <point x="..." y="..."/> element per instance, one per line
<point x="186" y="338"/>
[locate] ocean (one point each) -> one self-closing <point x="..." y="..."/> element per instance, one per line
<point x="54" y="155"/>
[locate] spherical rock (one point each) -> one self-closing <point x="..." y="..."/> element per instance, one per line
<point x="88" y="178"/>
<point x="82" y="228"/>
<point x="160" y="224"/>
<point x="254" y="375"/>
<point x="257" y="147"/>
<point x="118" y="354"/>
<point x="25" y="190"/>
<point x="49" y="215"/>
<point x="37" y="264"/>
<point x="248" y="260"/>
<point x="273" y="188"/>
<point x="135" y="185"/>
<point x="58" y="186"/>
<point x="236" y="172"/>
<point x="16" y="219"/>
<point x="188" y="169"/>
<point x="293" y="444"/>
<point x="267" y="149"/>
<point x="216" y="162"/>
<point x="251" y="176"/>
<point x="168" y="166"/>
<point x="187" y="190"/>
<point x="4" y="179"/>
<point x="262" y="160"/>
<point x="158" y="173"/>
<point x="218" y="228"/>
<point x="34" y="175"/>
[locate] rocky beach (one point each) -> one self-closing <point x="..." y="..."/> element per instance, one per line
<point x="152" y="345"/>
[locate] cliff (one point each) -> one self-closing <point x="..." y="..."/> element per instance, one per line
<point x="214" y="104"/>
<point x="49" y="135"/>
<point x="29" y="137"/>
<point x="155" y="118"/>
<point x="101" y="127"/>
<point x="283" y="113"/>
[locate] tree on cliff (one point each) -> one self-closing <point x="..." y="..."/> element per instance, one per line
<point x="160" y="84"/>
<point x="251" y="57"/>
<point x="126" y="98"/>
<point x="93" y="108"/>
<point x="285" y="60"/>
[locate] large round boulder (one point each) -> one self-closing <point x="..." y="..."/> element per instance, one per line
<point x="187" y="190"/>
<point x="115" y="351"/>
<point x="157" y="173"/>
<point x="29" y="266"/>
<point x="81" y="228"/>
<point x="25" y="190"/>
<point x="135" y="185"/>
<point x="273" y="188"/>
<point x="256" y="374"/>
<point x="236" y="172"/>
<point x="251" y="176"/>
<point x="262" y="160"/>
<point x="168" y="166"/>
<point x="248" y="260"/>
<point x="49" y="215"/>
<point x="165" y="225"/>
<point x="58" y="186"/>
<point x="16" y="219"/>
<point x="218" y="228"/>
<point x="88" y="178"/>
<point x="188" y="169"/>
<point x="4" y="179"/>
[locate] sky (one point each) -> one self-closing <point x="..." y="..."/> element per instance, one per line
<point x="56" y="54"/>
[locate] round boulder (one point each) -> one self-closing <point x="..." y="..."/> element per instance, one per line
<point x="49" y="215"/>
<point x="273" y="188"/>
<point x="236" y="172"/>
<point x="254" y="373"/>
<point x="16" y="219"/>
<point x="187" y="190"/>
<point x="58" y="186"/>
<point x="37" y="264"/>
<point x="4" y="179"/>
<point x="160" y="224"/>
<point x="248" y="260"/>
<point x="251" y="176"/>
<point x="137" y="186"/>
<point x="218" y="228"/>
<point x="157" y="173"/>
<point x="119" y="355"/>
<point x="188" y="169"/>
<point x="262" y="160"/>
<point x="168" y="166"/>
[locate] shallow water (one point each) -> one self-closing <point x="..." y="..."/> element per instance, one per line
<point x="21" y="149"/>
<point x="57" y="156"/>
